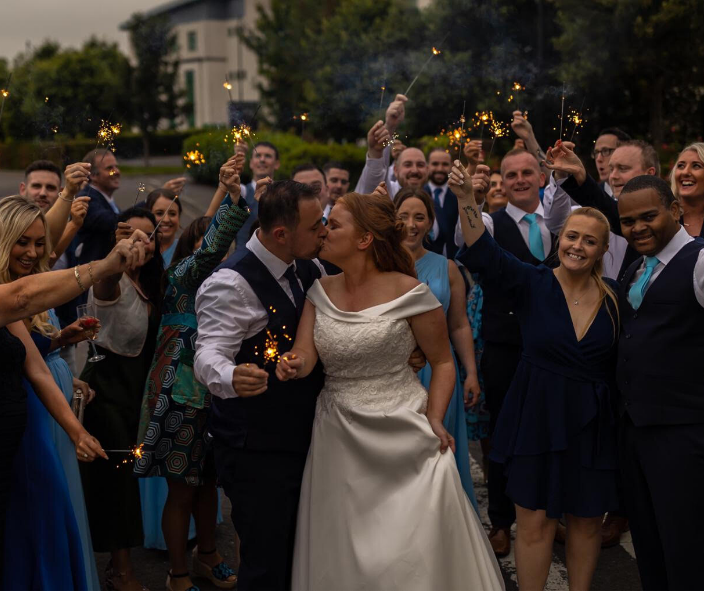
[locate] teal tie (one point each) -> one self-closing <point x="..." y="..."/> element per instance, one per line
<point x="636" y="293"/>
<point x="535" y="240"/>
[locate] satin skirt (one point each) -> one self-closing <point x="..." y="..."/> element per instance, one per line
<point x="382" y="508"/>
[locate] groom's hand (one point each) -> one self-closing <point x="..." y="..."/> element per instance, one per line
<point x="417" y="361"/>
<point x="249" y="380"/>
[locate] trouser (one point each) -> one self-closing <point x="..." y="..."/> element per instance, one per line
<point x="263" y="488"/>
<point x="662" y="471"/>
<point x="498" y="366"/>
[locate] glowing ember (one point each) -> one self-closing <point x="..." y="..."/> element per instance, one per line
<point x="194" y="157"/>
<point x="271" y="349"/>
<point x="5" y="93"/>
<point x="435" y="51"/>
<point x="516" y="86"/>
<point x="227" y="85"/>
<point x="107" y="133"/>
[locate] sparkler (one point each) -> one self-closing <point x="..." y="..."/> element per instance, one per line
<point x="562" y="111"/>
<point x="141" y="188"/>
<point x="5" y="93"/>
<point x="135" y="452"/>
<point x="462" y="132"/>
<point x="498" y="129"/>
<point x="434" y="51"/>
<point x="194" y="157"/>
<point x="227" y="86"/>
<point x="303" y="117"/>
<point x="576" y="118"/>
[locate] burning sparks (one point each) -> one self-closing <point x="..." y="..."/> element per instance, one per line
<point x="5" y="93"/>
<point x="390" y="140"/>
<point x="227" y="85"/>
<point x="195" y="158"/>
<point x="141" y="188"/>
<point x="517" y="87"/>
<point x="135" y="452"/>
<point x="435" y="51"/>
<point x="107" y="132"/>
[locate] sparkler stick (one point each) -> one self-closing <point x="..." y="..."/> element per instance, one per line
<point x="560" y="137"/>
<point x="434" y="51"/>
<point x="5" y="93"/>
<point x="140" y="189"/>
<point x="462" y="129"/>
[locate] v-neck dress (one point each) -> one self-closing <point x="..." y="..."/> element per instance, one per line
<point x="556" y="432"/>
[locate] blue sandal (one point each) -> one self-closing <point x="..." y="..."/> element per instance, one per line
<point x="218" y="575"/>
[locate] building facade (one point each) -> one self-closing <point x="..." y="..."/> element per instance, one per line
<point x="211" y="52"/>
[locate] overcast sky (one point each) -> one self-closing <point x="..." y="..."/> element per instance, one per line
<point x="70" y="22"/>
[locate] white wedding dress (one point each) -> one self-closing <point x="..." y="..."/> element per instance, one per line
<point x="381" y="508"/>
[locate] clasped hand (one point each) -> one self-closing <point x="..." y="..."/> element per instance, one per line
<point x="289" y="367"/>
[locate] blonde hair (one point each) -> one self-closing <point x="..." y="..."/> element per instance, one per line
<point x="597" y="269"/>
<point x="696" y="147"/>
<point x="16" y="215"/>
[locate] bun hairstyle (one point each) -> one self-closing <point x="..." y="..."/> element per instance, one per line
<point x="376" y="214"/>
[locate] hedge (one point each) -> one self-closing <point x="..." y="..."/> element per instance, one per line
<point x="292" y="152"/>
<point x="18" y="154"/>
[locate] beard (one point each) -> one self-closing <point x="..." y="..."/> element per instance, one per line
<point x="439" y="178"/>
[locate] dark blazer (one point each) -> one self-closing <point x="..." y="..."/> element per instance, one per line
<point x="447" y="217"/>
<point x="96" y="234"/>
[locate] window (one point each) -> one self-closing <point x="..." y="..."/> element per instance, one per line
<point x="190" y="82"/>
<point x="237" y="75"/>
<point x="191" y="40"/>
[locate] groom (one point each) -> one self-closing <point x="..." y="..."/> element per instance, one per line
<point x="261" y="427"/>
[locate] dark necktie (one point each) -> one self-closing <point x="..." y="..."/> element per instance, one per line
<point x="296" y="291"/>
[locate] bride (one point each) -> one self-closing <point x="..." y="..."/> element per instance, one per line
<point x="382" y="505"/>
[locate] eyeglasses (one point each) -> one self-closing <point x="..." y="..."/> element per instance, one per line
<point x="604" y="152"/>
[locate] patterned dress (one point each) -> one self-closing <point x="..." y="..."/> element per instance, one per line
<point x="175" y="405"/>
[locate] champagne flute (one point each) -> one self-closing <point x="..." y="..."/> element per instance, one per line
<point x="88" y="320"/>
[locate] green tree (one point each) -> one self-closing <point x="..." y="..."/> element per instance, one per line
<point x="154" y="88"/>
<point x="641" y="63"/>
<point x="66" y="91"/>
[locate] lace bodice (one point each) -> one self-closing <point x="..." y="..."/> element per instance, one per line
<point x="365" y="354"/>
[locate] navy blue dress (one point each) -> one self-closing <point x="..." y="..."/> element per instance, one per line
<point x="556" y="432"/>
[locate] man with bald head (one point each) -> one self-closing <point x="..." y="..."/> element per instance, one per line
<point x="520" y="229"/>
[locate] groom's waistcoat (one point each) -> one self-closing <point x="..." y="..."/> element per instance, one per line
<point x="281" y="418"/>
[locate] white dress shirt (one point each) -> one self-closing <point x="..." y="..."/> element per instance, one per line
<point x="664" y="257"/>
<point x="375" y="171"/>
<point x="230" y="312"/>
<point x="518" y="216"/>
<point x="557" y="206"/>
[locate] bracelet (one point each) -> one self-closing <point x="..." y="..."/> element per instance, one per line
<point x="61" y="196"/>
<point x="78" y="278"/>
<point x="90" y="272"/>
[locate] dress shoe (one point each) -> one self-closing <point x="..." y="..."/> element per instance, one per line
<point x="501" y="541"/>
<point x="612" y="529"/>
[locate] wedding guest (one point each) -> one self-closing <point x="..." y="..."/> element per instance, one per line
<point x="191" y="483"/>
<point x="496" y="197"/>
<point x="128" y="307"/>
<point x="22" y="298"/>
<point x="659" y="373"/>
<point x="415" y="209"/>
<point x="554" y="435"/>
<point x="608" y="140"/>
<point x="310" y="174"/>
<point x="26" y="252"/>
<point x="167" y="211"/>
<point x="42" y="183"/>
<point x="520" y="229"/>
<point x="264" y="162"/>
<point x="337" y="181"/>
<point x="445" y="204"/>
<point x="687" y="185"/>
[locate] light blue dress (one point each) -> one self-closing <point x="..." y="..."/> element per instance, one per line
<point x="67" y="455"/>
<point x="432" y="269"/>
<point x="168" y="254"/>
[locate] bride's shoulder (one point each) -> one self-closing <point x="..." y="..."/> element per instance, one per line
<point x="402" y="282"/>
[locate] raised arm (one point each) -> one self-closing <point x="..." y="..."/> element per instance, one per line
<point x="38" y="374"/>
<point x="579" y="185"/>
<point x="470" y="191"/>
<point x="79" y="209"/>
<point x="76" y="176"/>
<point x="525" y="131"/>
<point x="108" y="289"/>
<point x="35" y="293"/>
<point x="431" y="335"/>
<point x="233" y="166"/>
<point x="302" y="358"/>
<point x="377" y="159"/>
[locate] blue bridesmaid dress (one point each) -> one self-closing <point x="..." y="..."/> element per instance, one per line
<point x="432" y="269"/>
<point x="67" y="452"/>
<point x="43" y="547"/>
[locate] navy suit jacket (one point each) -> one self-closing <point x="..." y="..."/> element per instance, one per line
<point x="447" y="217"/>
<point x="96" y="234"/>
